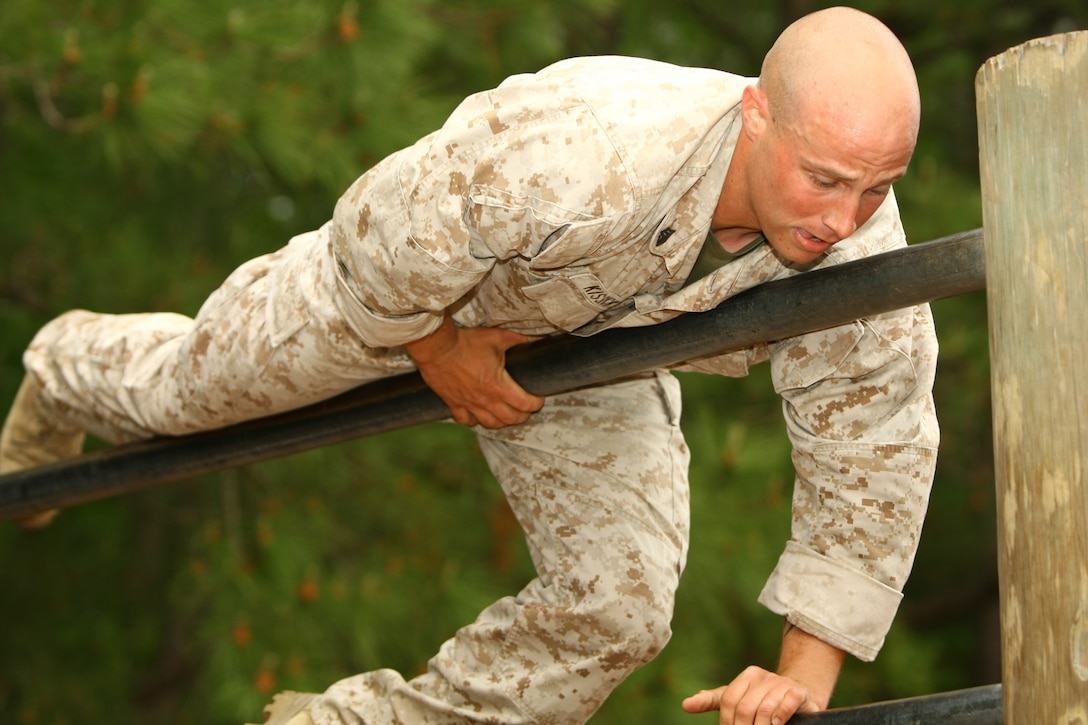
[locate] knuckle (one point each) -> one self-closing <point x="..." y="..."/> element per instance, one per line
<point x="796" y="696"/>
<point x="767" y="708"/>
<point x="729" y="700"/>
<point x="746" y="711"/>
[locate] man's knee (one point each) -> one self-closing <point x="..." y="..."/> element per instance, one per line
<point x="578" y="647"/>
<point x="624" y="612"/>
<point x="639" y="636"/>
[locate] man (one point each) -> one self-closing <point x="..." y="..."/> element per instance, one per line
<point x="573" y="200"/>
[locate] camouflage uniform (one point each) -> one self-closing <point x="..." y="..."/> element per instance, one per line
<point x="570" y="200"/>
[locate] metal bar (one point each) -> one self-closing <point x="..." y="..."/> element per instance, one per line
<point x="773" y="311"/>
<point x="975" y="706"/>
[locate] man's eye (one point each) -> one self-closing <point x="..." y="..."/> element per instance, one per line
<point x="823" y="182"/>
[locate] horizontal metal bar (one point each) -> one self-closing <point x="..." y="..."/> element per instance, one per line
<point x="974" y="706"/>
<point x="773" y="311"/>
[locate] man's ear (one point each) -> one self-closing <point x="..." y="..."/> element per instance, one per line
<point x="755" y="112"/>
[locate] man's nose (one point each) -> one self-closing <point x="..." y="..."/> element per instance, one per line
<point x="842" y="218"/>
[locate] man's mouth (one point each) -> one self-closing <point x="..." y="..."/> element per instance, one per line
<point x="811" y="243"/>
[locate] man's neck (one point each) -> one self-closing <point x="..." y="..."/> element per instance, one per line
<point x="734" y="223"/>
<point x="734" y="240"/>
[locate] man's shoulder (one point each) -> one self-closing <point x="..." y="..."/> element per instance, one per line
<point x="626" y="64"/>
<point x="660" y="117"/>
<point x="641" y="81"/>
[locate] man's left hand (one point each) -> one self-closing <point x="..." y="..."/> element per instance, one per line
<point x="755" y="697"/>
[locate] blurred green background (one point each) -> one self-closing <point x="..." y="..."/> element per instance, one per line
<point x="147" y="148"/>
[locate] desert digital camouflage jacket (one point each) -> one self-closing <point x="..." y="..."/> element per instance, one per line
<point x="577" y="199"/>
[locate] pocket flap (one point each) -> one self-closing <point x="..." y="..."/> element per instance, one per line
<point x="570" y="302"/>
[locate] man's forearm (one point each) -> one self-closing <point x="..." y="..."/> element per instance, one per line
<point x="435" y="344"/>
<point x="811" y="662"/>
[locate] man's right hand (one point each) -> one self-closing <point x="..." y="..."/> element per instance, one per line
<point x="466" y="367"/>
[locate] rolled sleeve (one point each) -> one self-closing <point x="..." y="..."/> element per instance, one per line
<point x="832" y="601"/>
<point x="859" y="412"/>
<point x="383" y="330"/>
<point x="393" y="288"/>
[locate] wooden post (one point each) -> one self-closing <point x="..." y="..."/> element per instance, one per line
<point x="1033" y="137"/>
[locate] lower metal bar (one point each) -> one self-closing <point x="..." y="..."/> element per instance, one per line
<point x="976" y="706"/>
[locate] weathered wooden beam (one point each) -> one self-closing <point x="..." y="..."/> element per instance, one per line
<point x="1033" y="136"/>
<point x="773" y="311"/>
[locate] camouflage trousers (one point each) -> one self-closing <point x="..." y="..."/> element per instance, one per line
<point x="597" y="480"/>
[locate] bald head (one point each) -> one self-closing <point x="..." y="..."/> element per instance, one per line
<point x="845" y="67"/>
<point x="829" y="128"/>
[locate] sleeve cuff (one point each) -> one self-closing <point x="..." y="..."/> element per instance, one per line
<point x="831" y="601"/>
<point x="378" y="330"/>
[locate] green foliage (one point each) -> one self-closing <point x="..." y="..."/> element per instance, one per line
<point x="147" y="148"/>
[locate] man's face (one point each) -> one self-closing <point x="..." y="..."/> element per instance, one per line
<point x="814" y="181"/>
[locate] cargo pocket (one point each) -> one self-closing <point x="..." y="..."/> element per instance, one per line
<point x="802" y="361"/>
